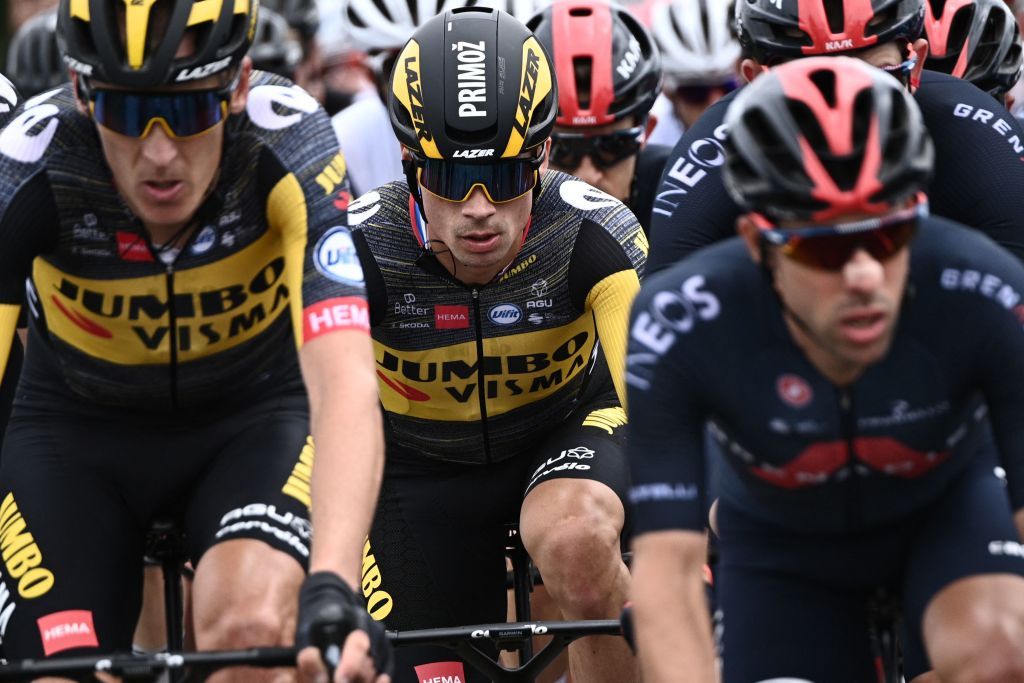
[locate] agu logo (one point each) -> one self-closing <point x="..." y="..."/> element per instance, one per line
<point x="336" y="257"/>
<point x="505" y="314"/>
<point x="794" y="390"/>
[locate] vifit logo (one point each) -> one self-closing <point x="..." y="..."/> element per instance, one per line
<point x="505" y="314"/>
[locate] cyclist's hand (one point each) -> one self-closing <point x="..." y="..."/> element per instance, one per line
<point x="333" y="627"/>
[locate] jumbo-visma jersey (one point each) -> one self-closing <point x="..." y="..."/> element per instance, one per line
<point x="270" y="262"/>
<point x="480" y="374"/>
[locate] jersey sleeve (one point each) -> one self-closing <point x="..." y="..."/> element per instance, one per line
<point x="8" y="99"/>
<point x="664" y="439"/>
<point x="308" y="204"/>
<point x="691" y="206"/>
<point x="28" y="227"/>
<point x="979" y="153"/>
<point x="604" y="276"/>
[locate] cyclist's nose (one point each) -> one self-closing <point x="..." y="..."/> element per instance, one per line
<point x="477" y="205"/>
<point x="588" y="172"/>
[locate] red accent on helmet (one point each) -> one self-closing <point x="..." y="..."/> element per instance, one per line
<point x="814" y="22"/>
<point x="938" y="29"/>
<point x="587" y="36"/>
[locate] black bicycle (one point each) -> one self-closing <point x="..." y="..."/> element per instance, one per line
<point x="465" y="641"/>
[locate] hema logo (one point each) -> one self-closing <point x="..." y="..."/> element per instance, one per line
<point x="505" y="314"/>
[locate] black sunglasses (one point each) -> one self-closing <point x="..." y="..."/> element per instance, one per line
<point x="606" y="150"/>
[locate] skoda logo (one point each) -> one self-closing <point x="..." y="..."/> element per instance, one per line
<point x="505" y="314"/>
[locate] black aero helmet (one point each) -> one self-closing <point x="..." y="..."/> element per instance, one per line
<point x="472" y="84"/>
<point x="976" y="40"/>
<point x="606" y="63"/>
<point x="33" y="61"/>
<point x="274" y="49"/>
<point x="132" y="43"/>
<point x="771" y="31"/>
<point x="820" y="138"/>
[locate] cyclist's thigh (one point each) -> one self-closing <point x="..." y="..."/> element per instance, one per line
<point x="969" y="532"/>
<point x="793" y="606"/>
<point x="590" y="445"/>
<point x="72" y="560"/>
<point x="435" y="555"/>
<point x="256" y="486"/>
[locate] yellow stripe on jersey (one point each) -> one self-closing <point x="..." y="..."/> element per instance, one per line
<point x="127" y="321"/>
<point x="8" y="324"/>
<point x="441" y="383"/>
<point x="287" y="216"/>
<point x="607" y="419"/>
<point x="610" y="300"/>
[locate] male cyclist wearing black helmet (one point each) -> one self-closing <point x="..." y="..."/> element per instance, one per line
<point x="845" y="370"/>
<point x="978" y="145"/>
<point x="33" y="62"/>
<point x="609" y="74"/>
<point x="976" y="40"/>
<point x="173" y="212"/>
<point x="490" y="284"/>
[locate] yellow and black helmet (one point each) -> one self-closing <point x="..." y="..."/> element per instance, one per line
<point x="472" y="85"/>
<point x="132" y="43"/>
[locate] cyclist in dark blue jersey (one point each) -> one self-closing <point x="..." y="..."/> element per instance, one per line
<point x="976" y="140"/>
<point x="845" y="370"/>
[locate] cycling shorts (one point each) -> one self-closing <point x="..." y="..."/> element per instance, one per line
<point x="796" y="606"/>
<point x="435" y="556"/>
<point x="77" y="495"/>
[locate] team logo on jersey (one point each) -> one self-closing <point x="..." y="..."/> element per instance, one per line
<point x="336" y="257"/>
<point x="539" y="288"/>
<point x="26" y="137"/>
<point x="266" y="101"/>
<point x="364" y="208"/>
<point x="505" y="314"/>
<point x="451" y="317"/>
<point x="586" y="197"/>
<point x="794" y="390"/>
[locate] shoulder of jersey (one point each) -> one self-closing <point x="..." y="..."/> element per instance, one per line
<point x="939" y="89"/>
<point x="42" y="126"/>
<point x="8" y="99"/>
<point x="726" y="265"/>
<point x="385" y="205"/>
<point x="561" y="193"/>
<point x="941" y="242"/>
<point x="286" y="118"/>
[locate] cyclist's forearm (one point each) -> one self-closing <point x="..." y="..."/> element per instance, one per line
<point x="672" y="622"/>
<point x="348" y="464"/>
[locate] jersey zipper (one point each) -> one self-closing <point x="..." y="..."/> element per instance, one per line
<point x="172" y="334"/>
<point x="481" y="380"/>
<point x="852" y="485"/>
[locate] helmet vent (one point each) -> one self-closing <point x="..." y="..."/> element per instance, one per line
<point x="582" y="67"/>
<point x="836" y="19"/>
<point x="825" y="81"/>
<point x="580" y="12"/>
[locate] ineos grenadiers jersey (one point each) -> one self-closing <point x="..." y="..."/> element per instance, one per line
<point x="270" y="263"/>
<point x="979" y="161"/>
<point x="481" y="374"/>
<point x="709" y="345"/>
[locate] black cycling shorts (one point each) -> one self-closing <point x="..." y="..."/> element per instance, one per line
<point x="796" y="606"/>
<point x="77" y="495"/>
<point x="436" y="552"/>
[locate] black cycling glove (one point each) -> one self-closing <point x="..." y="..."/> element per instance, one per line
<point x="328" y="612"/>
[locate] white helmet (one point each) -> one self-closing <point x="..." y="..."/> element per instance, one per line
<point x="388" y="24"/>
<point x="696" y="39"/>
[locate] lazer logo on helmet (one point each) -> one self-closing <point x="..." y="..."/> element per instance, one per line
<point x="472" y="78"/>
<point x="473" y="153"/>
<point x="203" y="71"/>
<point x="412" y="80"/>
<point x="528" y="92"/>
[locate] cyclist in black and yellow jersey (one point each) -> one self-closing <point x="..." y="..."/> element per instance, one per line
<point x="490" y="283"/>
<point x="180" y="220"/>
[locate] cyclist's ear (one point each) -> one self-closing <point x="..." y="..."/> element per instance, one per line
<point x="240" y="96"/>
<point x="81" y="101"/>
<point x="751" y="236"/>
<point x="751" y="69"/>
<point x="652" y="123"/>
<point x="547" y="152"/>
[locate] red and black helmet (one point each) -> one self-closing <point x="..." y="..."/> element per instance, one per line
<point x="821" y="138"/>
<point x="976" y="40"/>
<point x="773" y="31"/>
<point x="606" y="63"/>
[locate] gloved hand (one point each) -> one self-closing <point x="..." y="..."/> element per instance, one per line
<point x="328" y="612"/>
